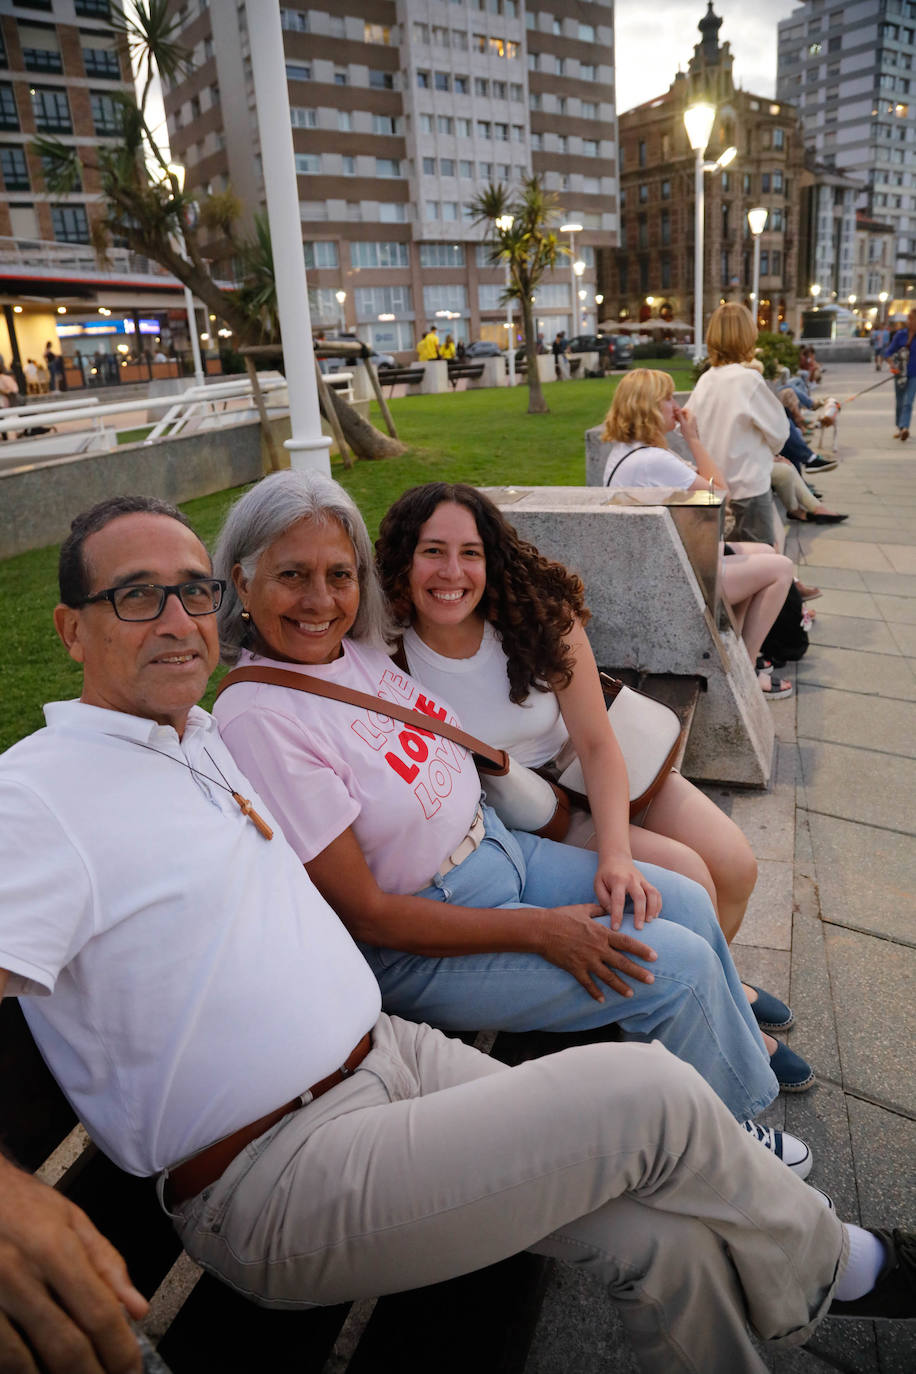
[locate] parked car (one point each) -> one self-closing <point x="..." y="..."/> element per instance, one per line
<point x="483" y="348"/>
<point x="339" y="364"/>
<point x="616" y="350"/>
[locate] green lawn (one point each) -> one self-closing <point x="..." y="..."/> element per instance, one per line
<point x="483" y="437"/>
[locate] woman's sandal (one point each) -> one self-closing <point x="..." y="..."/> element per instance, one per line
<point x="782" y="687"/>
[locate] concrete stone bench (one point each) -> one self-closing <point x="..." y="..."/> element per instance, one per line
<point x="655" y="609"/>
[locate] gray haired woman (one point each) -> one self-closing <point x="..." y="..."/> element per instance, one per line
<point x="464" y="922"/>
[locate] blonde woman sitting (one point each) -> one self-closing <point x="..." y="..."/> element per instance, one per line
<point x="755" y="579"/>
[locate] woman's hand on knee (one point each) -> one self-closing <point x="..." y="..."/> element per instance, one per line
<point x="617" y="879"/>
<point x="573" y="939"/>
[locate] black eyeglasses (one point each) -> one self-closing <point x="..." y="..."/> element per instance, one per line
<point x="146" y="600"/>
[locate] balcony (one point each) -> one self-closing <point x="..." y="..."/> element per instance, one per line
<point x="37" y="258"/>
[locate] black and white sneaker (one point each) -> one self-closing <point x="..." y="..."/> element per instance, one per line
<point x="793" y="1152"/>
<point x="818" y="464"/>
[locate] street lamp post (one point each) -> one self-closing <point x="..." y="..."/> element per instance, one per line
<point x="578" y="269"/>
<point x="340" y="297"/>
<point x="504" y="224"/>
<point x="572" y="230"/>
<point x="698" y="121"/>
<point x="882" y="297"/>
<point x="757" y="219"/>
<point x="308" y="447"/>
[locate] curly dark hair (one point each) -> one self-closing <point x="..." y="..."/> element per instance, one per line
<point x="530" y="601"/>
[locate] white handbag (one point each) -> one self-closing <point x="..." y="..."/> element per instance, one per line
<point x="649" y="735"/>
<point x="524" y="800"/>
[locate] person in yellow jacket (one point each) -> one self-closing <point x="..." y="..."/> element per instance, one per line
<point x="428" y="347"/>
<point x="447" y="349"/>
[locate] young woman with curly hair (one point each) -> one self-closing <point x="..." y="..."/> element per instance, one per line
<point x="498" y="631"/>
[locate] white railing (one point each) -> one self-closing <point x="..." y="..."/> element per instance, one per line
<point x="44" y="255"/>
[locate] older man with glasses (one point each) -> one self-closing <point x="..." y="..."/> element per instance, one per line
<point x="186" y="983"/>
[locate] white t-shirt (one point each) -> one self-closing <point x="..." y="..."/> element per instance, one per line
<point x="324" y="765"/>
<point x="478" y="687"/>
<point x="647" y="467"/>
<point x="742" y="424"/>
<point x="180" y="973"/>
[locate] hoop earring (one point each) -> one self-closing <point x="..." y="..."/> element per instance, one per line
<point x="246" y="616"/>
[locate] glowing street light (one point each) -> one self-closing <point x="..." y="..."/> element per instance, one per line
<point x="504" y="224"/>
<point x="572" y="229"/>
<point x="340" y="297"/>
<point x="757" y="219"/>
<point x="698" y="121"/>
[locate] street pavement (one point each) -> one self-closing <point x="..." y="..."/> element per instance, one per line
<point x="831" y="926"/>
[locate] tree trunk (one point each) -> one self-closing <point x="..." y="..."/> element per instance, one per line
<point x="364" y="440"/>
<point x="273" y="456"/>
<point x="536" y="403"/>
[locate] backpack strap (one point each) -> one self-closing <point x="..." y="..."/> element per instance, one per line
<point x="623" y="460"/>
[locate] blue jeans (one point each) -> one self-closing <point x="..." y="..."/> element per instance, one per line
<point x="696" y="1006"/>
<point x="795" y="448"/>
<point x="800" y="387"/>
<point x="905" y="394"/>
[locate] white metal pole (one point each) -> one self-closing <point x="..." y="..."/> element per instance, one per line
<point x="308" y="447"/>
<point x="192" y="330"/>
<point x="573" y="288"/>
<point x="510" y="332"/>
<point x="756" y="280"/>
<point x="698" y="342"/>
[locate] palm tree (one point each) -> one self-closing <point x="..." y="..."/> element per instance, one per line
<point x="520" y="237"/>
<point x="147" y="208"/>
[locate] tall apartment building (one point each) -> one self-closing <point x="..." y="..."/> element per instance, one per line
<point x="60" y="69"/>
<point x="849" y="69"/>
<point x="402" y="111"/>
<point x="652" y="272"/>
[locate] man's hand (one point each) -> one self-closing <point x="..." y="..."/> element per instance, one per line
<point x="63" y="1288"/>
<point x="573" y="939"/>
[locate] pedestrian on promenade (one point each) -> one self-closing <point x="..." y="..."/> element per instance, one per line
<point x="902" y="354"/>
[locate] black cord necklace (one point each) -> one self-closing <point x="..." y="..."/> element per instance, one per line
<point x="241" y="802"/>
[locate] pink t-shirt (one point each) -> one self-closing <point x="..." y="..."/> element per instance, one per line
<point x="323" y="765"/>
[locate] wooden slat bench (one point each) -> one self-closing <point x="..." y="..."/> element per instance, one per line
<point x="470" y="372"/>
<point x="397" y="376"/>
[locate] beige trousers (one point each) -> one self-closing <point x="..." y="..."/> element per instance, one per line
<point x="433" y="1160"/>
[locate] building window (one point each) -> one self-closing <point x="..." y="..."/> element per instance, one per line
<point x="52" y="110"/>
<point x="321" y="253"/>
<point x="392" y="212"/>
<point x="589" y="109"/>
<point x="486" y="171"/>
<point x="445" y="124"/>
<point x="665" y="228"/>
<point x="387" y="167"/>
<point x="372" y="301"/>
<point x="449" y="209"/>
<point x="764" y="262"/>
<point x="376" y="33"/>
<point x="341" y="78"/>
<point x="348" y="164"/>
<point x="588" y="71"/>
<point x="666" y="189"/>
<point x="431" y="209"/>
<point x="765" y="181"/>
<point x="462" y="85"/>
<point x="442" y="81"/>
<point x="379" y="255"/>
<point x="483" y="128"/>
<point x="779" y="138"/>
<point x="421" y="33"/>
<point x="301" y="118"/>
<point x="452" y="296"/>
<point x="9" y="115"/>
<point x="92" y="9"/>
<point x="590" y="147"/>
<point x="466" y="168"/>
<point x="307" y="164"/>
<point x="463" y="128"/>
<point x="642" y="240"/>
<point x="481" y="86"/>
<point x="777" y="181"/>
<point x="102" y="62"/>
<point x="42" y="60"/>
<point x="70" y="223"/>
<point x="500" y="90"/>
<point x="643" y="193"/>
<point x="296" y="21"/>
<point x="666" y="271"/>
<point x="384" y="124"/>
<point x="381" y="81"/>
<point x="586" y="33"/>
<point x="429" y="166"/>
<point x="441" y="255"/>
<point x="423" y="80"/>
<point x="298" y="71"/>
<point x="501" y="132"/>
<point x="15" y="169"/>
<point x="446" y="167"/>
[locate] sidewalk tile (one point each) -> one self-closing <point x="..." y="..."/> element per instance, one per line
<point x="898" y="610"/>
<point x="885" y="1147"/>
<point x="850" y="670"/>
<point x="890" y="584"/>
<point x="578" y="1329"/>
<point x="763" y="968"/>
<point x="853" y="632"/>
<point x="846" y="579"/>
<point x="849" y="603"/>
<point x="845" y="718"/>
<point x="858" y="785"/>
<point x="830" y="553"/>
<point x="866" y="877"/>
<point x="814" y="1034"/>
<point x="902" y="557"/>
<point x="768" y="921"/>
<point x="904" y="638"/>
<point x="872" y="983"/>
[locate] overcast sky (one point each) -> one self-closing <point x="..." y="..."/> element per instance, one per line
<point x="655" y="36"/>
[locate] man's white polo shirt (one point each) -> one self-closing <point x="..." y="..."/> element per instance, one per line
<point x="197" y="979"/>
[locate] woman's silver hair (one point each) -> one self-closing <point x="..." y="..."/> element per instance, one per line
<point x="265" y="513"/>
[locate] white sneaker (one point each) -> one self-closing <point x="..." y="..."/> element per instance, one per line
<point x="792" y="1151"/>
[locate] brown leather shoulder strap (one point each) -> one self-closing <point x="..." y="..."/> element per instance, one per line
<point x="304" y="682"/>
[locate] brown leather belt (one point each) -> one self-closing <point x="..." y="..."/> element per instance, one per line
<point x="190" y="1178"/>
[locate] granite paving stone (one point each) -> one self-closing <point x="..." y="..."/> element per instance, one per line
<point x="897" y="609"/>
<point x="814" y="1034"/>
<point x="859" y="671"/>
<point x="824" y="714"/>
<point x="846" y="631"/>
<point x="846" y="579"/>
<point x="847" y="603"/>
<point x="902" y="557"/>
<point x="866" y="877"/>
<point x="905" y="638"/>
<point x="830" y="553"/>
<point x="855" y="784"/>
<point x="890" y="584"/>
<point x="768" y="920"/>
<point x="877" y="1047"/>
